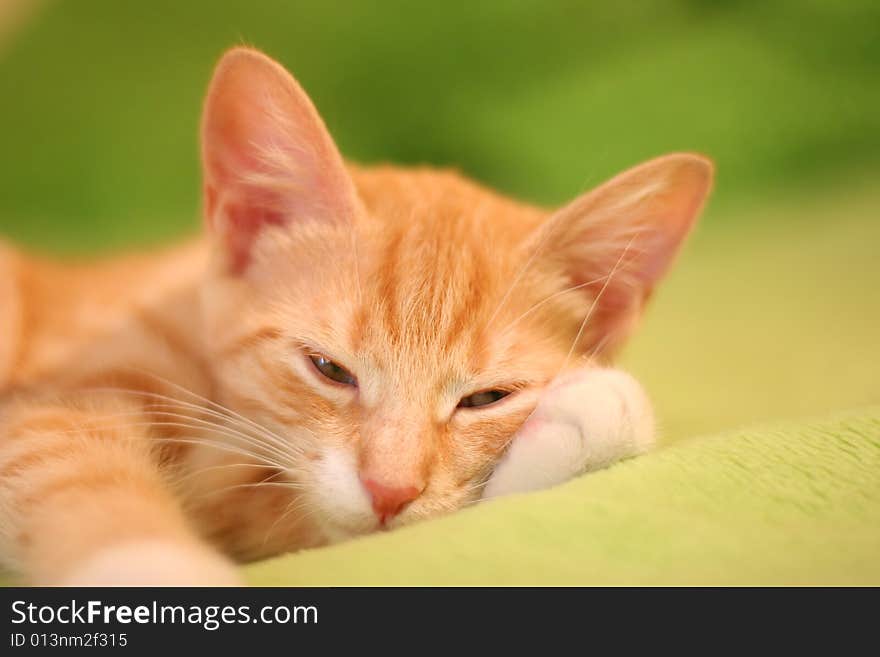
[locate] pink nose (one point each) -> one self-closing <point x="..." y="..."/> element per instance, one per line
<point x="388" y="500"/>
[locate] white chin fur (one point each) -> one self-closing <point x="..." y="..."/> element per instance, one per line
<point x="587" y="419"/>
<point x="344" y="501"/>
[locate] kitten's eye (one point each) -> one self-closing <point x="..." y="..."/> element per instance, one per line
<point x="333" y="371"/>
<point x="482" y="398"/>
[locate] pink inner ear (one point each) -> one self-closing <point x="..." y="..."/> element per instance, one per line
<point x="238" y="211"/>
<point x="267" y="156"/>
<point x="633" y="225"/>
<point x="244" y="224"/>
<point x="674" y="214"/>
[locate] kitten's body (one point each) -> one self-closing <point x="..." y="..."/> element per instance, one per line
<point x="153" y="401"/>
<point x="135" y="323"/>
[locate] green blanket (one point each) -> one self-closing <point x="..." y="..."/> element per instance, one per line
<point x="791" y="503"/>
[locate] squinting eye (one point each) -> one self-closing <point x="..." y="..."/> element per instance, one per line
<point x="333" y="371"/>
<point x="482" y="398"/>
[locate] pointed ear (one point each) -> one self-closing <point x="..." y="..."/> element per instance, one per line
<point x="618" y="240"/>
<point x="267" y="157"/>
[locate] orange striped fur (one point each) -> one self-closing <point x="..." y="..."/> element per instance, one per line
<point x="168" y="398"/>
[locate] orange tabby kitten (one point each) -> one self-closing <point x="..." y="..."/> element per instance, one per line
<point x="347" y="349"/>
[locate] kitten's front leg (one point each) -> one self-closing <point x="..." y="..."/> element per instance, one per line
<point x="83" y="500"/>
<point x="586" y="420"/>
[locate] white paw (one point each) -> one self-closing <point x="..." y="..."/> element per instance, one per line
<point x="154" y="563"/>
<point x="587" y="419"/>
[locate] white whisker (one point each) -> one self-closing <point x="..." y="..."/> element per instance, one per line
<point x="208" y="468"/>
<point x="270" y="439"/>
<point x="220" y="446"/>
<point x="295" y="505"/>
<point x="210" y="402"/>
<point x="595" y="303"/>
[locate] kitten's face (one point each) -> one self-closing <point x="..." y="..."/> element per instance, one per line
<point x="380" y="353"/>
<point x="392" y="328"/>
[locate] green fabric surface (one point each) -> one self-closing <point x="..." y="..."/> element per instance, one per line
<point x="788" y="503"/>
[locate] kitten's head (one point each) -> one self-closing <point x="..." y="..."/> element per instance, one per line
<point x="395" y="327"/>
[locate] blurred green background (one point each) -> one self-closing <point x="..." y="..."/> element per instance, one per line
<point x="773" y="311"/>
